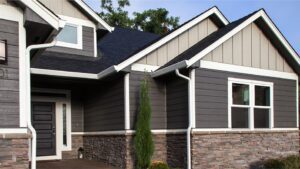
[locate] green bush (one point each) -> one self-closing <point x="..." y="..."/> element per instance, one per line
<point x="143" y="142"/>
<point x="159" y="165"/>
<point x="291" y="162"/>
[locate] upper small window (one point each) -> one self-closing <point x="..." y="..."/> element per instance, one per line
<point x="3" y="50"/>
<point x="70" y="36"/>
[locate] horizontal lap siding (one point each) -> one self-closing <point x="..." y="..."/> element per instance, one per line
<point x="157" y="97"/>
<point x="77" y="111"/>
<point x="9" y="76"/>
<point x="87" y="44"/>
<point x="212" y="100"/>
<point x="104" y="107"/>
<point x="177" y="103"/>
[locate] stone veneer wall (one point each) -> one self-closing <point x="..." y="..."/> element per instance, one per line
<point x="77" y="142"/>
<point x="14" y="151"/>
<point x="118" y="151"/>
<point x="241" y="149"/>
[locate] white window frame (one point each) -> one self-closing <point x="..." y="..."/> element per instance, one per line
<point x="78" y="45"/>
<point x="251" y="106"/>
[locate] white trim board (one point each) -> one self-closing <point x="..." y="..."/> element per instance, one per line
<point x="247" y="70"/>
<point x="63" y="73"/>
<point x="122" y="132"/>
<point x="86" y="8"/>
<point x="13" y="130"/>
<point x="143" y="67"/>
<point x="242" y="130"/>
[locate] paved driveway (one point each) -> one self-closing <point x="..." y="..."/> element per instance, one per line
<point x="73" y="164"/>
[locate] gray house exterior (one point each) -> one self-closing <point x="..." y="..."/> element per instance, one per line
<point x="223" y="94"/>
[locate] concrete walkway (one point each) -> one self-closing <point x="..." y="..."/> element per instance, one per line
<point x="73" y="164"/>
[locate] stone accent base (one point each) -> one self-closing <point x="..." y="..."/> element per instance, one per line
<point x="241" y="149"/>
<point x="118" y="150"/>
<point x="14" y="151"/>
<point x="77" y="142"/>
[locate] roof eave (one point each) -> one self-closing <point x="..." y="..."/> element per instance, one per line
<point x="163" y="71"/>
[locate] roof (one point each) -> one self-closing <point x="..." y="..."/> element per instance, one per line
<point x="114" y="47"/>
<point x="199" y="50"/>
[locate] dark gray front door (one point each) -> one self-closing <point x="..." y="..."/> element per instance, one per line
<point x="43" y="120"/>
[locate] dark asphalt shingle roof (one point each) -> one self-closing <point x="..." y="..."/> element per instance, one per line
<point x="115" y="47"/>
<point x="206" y="42"/>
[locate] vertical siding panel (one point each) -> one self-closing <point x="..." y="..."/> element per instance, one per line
<point x="279" y="63"/>
<point x="193" y="35"/>
<point x="208" y="57"/>
<point x="211" y="27"/>
<point x="172" y="49"/>
<point x="272" y="57"/>
<point x="264" y="53"/>
<point x="183" y="42"/>
<point x="286" y="67"/>
<point x="237" y="49"/>
<point x="202" y="28"/>
<point x="143" y="60"/>
<point x="217" y="54"/>
<point x="246" y="38"/>
<point x="227" y="51"/>
<point x="255" y="46"/>
<point x="162" y="55"/>
<point x="152" y="58"/>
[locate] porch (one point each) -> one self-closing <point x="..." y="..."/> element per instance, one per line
<point x="73" y="164"/>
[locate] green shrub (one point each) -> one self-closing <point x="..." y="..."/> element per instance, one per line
<point x="143" y="142"/>
<point x="291" y="162"/>
<point x="159" y="165"/>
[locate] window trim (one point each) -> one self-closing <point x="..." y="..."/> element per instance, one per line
<point x="251" y="106"/>
<point x="4" y="59"/>
<point x="79" y="38"/>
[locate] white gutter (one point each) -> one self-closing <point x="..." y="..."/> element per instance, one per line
<point x="191" y="82"/>
<point x="28" y="97"/>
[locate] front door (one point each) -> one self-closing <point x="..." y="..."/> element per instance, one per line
<point x="43" y="120"/>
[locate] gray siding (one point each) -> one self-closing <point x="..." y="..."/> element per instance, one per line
<point x="104" y="106"/>
<point x="9" y="76"/>
<point x="157" y="92"/>
<point x="77" y="111"/>
<point x="87" y="44"/>
<point x="177" y="103"/>
<point x="212" y="101"/>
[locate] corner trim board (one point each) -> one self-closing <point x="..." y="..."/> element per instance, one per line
<point x="126" y="102"/>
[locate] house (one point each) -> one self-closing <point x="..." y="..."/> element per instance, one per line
<point x="223" y="94"/>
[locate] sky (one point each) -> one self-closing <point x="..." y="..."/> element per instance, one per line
<point x="284" y="13"/>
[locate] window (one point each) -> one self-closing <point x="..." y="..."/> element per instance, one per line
<point x="64" y="111"/>
<point x="3" y="51"/>
<point x="250" y="104"/>
<point x="70" y="36"/>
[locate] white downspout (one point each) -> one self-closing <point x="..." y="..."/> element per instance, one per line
<point x="28" y="97"/>
<point x="191" y="83"/>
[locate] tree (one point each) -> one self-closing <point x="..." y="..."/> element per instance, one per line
<point x="143" y="142"/>
<point x="155" y="21"/>
<point x="152" y="20"/>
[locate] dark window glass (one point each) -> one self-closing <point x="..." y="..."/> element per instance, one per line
<point x="65" y="124"/>
<point x="239" y="117"/>
<point x="261" y="118"/>
<point x="240" y="94"/>
<point x="262" y="96"/>
<point x="68" y="34"/>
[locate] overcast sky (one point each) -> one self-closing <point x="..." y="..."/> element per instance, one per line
<point x="285" y="13"/>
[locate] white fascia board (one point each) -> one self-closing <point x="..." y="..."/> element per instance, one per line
<point x="169" y="37"/>
<point x="170" y="68"/>
<point x="93" y="15"/>
<point x="63" y="73"/>
<point x="44" y="13"/>
<point x="247" y="70"/>
<point x="261" y="14"/>
<point x="143" y="67"/>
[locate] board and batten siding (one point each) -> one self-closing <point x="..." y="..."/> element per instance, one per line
<point x="212" y="98"/>
<point x="177" y="103"/>
<point x="64" y="7"/>
<point x="251" y="48"/>
<point x="104" y="106"/>
<point x="9" y="76"/>
<point x="87" y="44"/>
<point x="157" y="93"/>
<point x="179" y="44"/>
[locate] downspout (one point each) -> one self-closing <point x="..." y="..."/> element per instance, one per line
<point x="28" y="97"/>
<point x="191" y="94"/>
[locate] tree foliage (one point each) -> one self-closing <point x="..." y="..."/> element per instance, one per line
<point x="153" y="20"/>
<point x="143" y="142"/>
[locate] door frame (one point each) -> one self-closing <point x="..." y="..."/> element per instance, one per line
<point x="59" y="101"/>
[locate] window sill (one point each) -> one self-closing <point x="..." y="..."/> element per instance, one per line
<point x="242" y="131"/>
